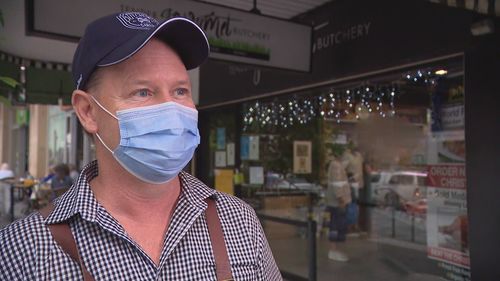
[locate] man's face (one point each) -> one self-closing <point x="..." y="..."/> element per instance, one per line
<point x="153" y="75"/>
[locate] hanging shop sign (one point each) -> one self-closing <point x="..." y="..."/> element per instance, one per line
<point x="233" y="35"/>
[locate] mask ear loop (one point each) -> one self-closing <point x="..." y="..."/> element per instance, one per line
<point x="99" y="137"/>
<point x="103" y="108"/>
<point x="112" y="115"/>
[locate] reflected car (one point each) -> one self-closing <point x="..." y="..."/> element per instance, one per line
<point x="377" y="181"/>
<point x="402" y="187"/>
<point x="292" y="183"/>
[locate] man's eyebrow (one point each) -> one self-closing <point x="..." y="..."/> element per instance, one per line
<point x="180" y="82"/>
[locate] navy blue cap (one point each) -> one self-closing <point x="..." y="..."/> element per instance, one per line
<point x="114" y="38"/>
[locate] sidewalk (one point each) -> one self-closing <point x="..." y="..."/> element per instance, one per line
<point x="369" y="260"/>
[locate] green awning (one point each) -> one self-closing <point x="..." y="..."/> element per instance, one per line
<point x="44" y="86"/>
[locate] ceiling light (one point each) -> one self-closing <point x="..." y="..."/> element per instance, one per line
<point x="441" y="72"/>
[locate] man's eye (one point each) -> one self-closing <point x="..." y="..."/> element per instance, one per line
<point x="143" y="93"/>
<point x="181" y="91"/>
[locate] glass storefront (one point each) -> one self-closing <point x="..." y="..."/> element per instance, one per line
<point x="387" y="152"/>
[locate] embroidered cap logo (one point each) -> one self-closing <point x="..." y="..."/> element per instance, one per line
<point x="137" y="21"/>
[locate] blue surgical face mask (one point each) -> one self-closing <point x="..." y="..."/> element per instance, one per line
<point x="156" y="142"/>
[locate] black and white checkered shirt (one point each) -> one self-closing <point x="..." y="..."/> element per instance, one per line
<point x="28" y="252"/>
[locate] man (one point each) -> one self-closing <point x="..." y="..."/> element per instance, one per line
<point x="133" y="213"/>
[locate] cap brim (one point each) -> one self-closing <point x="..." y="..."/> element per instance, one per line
<point x="184" y="36"/>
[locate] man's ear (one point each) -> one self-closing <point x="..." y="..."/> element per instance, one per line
<point x="84" y="110"/>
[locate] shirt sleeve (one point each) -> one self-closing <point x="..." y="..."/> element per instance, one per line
<point x="11" y="256"/>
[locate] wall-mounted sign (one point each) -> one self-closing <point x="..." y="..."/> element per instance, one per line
<point x="233" y="35"/>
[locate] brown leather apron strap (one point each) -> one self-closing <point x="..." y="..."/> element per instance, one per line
<point x="222" y="265"/>
<point x="63" y="236"/>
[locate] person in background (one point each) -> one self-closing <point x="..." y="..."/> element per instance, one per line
<point x="353" y="163"/>
<point x="337" y="196"/>
<point x="61" y="177"/>
<point x="73" y="172"/>
<point x="5" y="171"/>
<point x="48" y="178"/>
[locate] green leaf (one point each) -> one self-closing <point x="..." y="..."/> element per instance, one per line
<point x="9" y="81"/>
<point x="5" y="101"/>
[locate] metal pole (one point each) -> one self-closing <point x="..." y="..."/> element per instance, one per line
<point x="312" y="249"/>
<point x="412" y="227"/>
<point x="393" y="222"/>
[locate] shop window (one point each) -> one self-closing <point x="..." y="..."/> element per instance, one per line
<point x="391" y="145"/>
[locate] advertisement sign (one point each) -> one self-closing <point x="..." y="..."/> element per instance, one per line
<point x="447" y="222"/>
<point x="233" y="35"/>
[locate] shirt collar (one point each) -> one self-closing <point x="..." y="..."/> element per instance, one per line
<point x="79" y="199"/>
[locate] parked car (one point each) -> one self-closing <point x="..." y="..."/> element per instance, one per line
<point x="398" y="188"/>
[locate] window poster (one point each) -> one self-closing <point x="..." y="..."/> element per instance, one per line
<point x="256" y="175"/>
<point x="224" y="181"/>
<point x="244" y="147"/>
<point x="230" y="153"/>
<point x="302" y="157"/>
<point x="253" y="151"/>
<point x="447" y="223"/>
<point x="220" y="159"/>
<point x="221" y="138"/>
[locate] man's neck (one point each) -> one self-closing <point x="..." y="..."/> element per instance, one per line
<point x="125" y="196"/>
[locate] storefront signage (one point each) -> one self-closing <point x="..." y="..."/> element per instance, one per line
<point x="233" y="35"/>
<point x="338" y="37"/>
